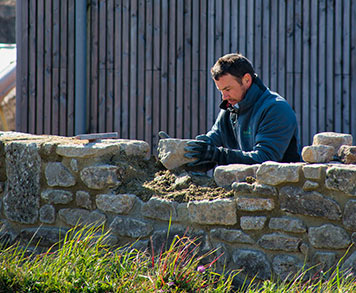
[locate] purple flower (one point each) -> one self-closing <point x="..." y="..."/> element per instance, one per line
<point x="201" y="269"/>
<point x="170" y="284"/>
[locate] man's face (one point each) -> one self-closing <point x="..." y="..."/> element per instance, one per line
<point x="231" y="90"/>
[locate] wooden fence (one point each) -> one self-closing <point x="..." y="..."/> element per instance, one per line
<point x="148" y="63"/>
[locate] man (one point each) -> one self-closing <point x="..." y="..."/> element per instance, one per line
<point x="254" y="125"/>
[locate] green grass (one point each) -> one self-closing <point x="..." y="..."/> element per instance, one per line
<point x="82" y="262"/>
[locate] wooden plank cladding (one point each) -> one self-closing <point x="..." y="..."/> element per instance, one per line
<point x="148" y="63"/>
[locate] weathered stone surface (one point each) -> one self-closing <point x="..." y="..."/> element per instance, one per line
<point x="22" y="195"/>
<point x="342" y="177"/>
<point x="287" y="225"/>
<point x="273" y="173"/>
<point x="254" y="263"/>
<point x="7" y="235"/>
<point x="182" y="212"/>
<point x="324" y="261"/>
<point x="171" y="152"/>
<point x="182" y="181"/>
<point x="328" y="236"/>
<point x="350" y="264"/>
<point x="74" y="165"/>
<point x="85" y="150"/>
<point x="311" y="203"/>
<point x="83" y="200"/>
<point x="100" y="177"/>
<point x="132" y="228"/>
<point x="57" y="196"/>
<point x="226" y="175"/>
<point x="250" y="204"/>
<point x="347" y="154"/>
<point x="318" y="153"/>
<point x="252" y="223"/>
<point x="47" y="214"/>
<point x="349" y="217"/>
<point x="131" y="147"/>
<point x="42" y="236"/>
<point x="58" y="175"/>
<point x="242" y="188"/>
<point x="333" y="139"/>
<point x="264" y="189"/>
<point x="286" y="267"/>
<point x="277" y="241"/>
<point x="232" y="236"/>
<point x="73" y="217"/>
<point x="310" y="185"/>
<point x="158" y="208"/>
<point x="314" y="171"/>
<point x="220" y="212"/>
<point x="115" y="203"/>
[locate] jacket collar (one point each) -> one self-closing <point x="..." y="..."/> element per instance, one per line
<point x="255" y="91"/>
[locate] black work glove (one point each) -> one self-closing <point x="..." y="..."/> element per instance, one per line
<point x="203" y="149"/>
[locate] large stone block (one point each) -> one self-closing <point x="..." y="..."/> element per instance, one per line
<point x="318" y="153"/>
<point x="253" y="263"/>
<point x="57" y="196"/>
<point x="252" y="223"/>
<point x="276" y="241"/>
<point x="314" y="171"/>
<point x="158" y="208"/>
<point x="349" y="217"/>
<point x="75" y="217"/>
<point x="328" y="236"/>
<point x="58" y="175"/>
<point x="347" y="154"/>
<point x="333" y="139"/>
<point x="219" y="212"/>
<point x="342" y="177"/>
<point x="100" y="177"/>
<point x="115" y="203"/>
<point x="22" y="195"/>
<point x="250" y="204"/>
<point x="231" y="235"/>
<point x="133" y="148"/>
<point x="287" y="225"/>
<point x="286" y="267"/>
<point x="273" y="173"/>
<point x="171" y="152"/>
<point x="310" y="203"/>
<point x="226" y="175"/>
<point x="129" y="227"/>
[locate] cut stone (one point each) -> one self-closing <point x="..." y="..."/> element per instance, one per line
<point x="343" y="178"/>
<point x="57" y="196"/>
<point x="347" y="154"/>
<point x="83" y="200"/>
<point x="349" y="218"/>
<point x="100" y="177"/>
<point x="225" y="175"/>
<point x="273" y="173"/>
<point x="254" y="204"/>
<point x="132" y="228"/>
<point x="157" y="208"/>
<point x="276" y="241"/>
<point x="115" y="203"/>
<point x="74" y="217"/>
<point x="333" y="139"/>
<point x="318" y="153"/>
<point x="314" y="171"/>
<point x="328" y="236"/>
<point x="47" y="214"/>
<point x="287" y="225"/>
<point x="58" y="175"/>
<point x="252" y="223"/>
<point x="310" y="185"/>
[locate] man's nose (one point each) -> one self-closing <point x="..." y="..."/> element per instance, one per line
<point x="224" y="96"/>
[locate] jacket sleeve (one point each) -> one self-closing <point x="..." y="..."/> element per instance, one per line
<point x="276" y="128"/>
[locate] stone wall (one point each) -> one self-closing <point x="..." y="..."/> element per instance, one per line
<point x="282" y="216"/>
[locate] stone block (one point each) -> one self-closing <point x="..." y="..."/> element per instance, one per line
<point x="314" y="171"/>
<point x="133" y="148"/>
<point x="231" y="236"/>
<point x="171" y="152"/>
<point x="273" y="173"/>
<point x="342" y="178"/>
<point x="57" y="196"/>
<point x="323" y="261"/>
<point x="252" y="223"/>
<point x="250" y="204"/>
<point x="350" y="264"/>
<point x="347" y="154"/>
<point x="83" y="200"/>
<point x="74" y="165"/>
<point x="115" y="203"/>
<point x="128" y="227"/>
<point x="85" y="150"/>
<point x="263" y="189"/>
<point x="242" y="188"/>
<point x="309" y="203"/>
<point x="100" y="177"/>
<point x="286" y="267"/>
<point x="23" y="169"/>
<point x="349" y="217"/>
<point x="276" y="241"/>
<point x="318" y="153"/>
<point x="328" y="236"/>
<point x="310" y="185"/>
<point x="225" y="175"/>
<point x="43" y="236"/>
<point x="292" y="225"/>
<point x="333" y="139"/>
<point x="83" y="217"/>
<point x="182" y="212"/>
<point x="47" y="214"/>
<point x="58" y="175"/>
<point x="161" y="209"/>
<point x="253" y="263"/>
<point x="215" y="212"/>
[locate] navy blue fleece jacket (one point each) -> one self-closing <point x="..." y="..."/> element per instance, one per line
<point x="264" y="129"/>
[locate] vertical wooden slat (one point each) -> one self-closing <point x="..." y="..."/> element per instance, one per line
<point x="226" y="31"/>
<point x="195" y="91"/>
<point x="141" y="71"/>
<point x="40" y="66"/>
<point x="118" y="67"/>
<point x="298" y="61"/>
<point x="48" y="69"/>
<point x="274" y="26"/>
<point x="289" y="61"/>
<point x="218" y="50"/>
<point x="282" y="49"/>
<point x="56" y="67"/>
<point x="234" y="26"/>
<point x="353" y="69"/>
<point x="63" y="83"/>
<point x="172" y="129"/>
<point x="71" y="69"/>
<point x="242" y="28"/>
<point x="262" y="52"/>
<point x="329" y="67"/>
<point x="32" y="67"/>
<point x="250" y="32"/>
<point x="180" y="69"/>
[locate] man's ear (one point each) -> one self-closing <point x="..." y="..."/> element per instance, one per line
<point x="247" y="80"/>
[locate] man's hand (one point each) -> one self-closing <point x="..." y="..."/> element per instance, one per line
<point x="203" y="149"/>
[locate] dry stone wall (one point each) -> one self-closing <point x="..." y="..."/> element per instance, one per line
<point x="282" y="216"/>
